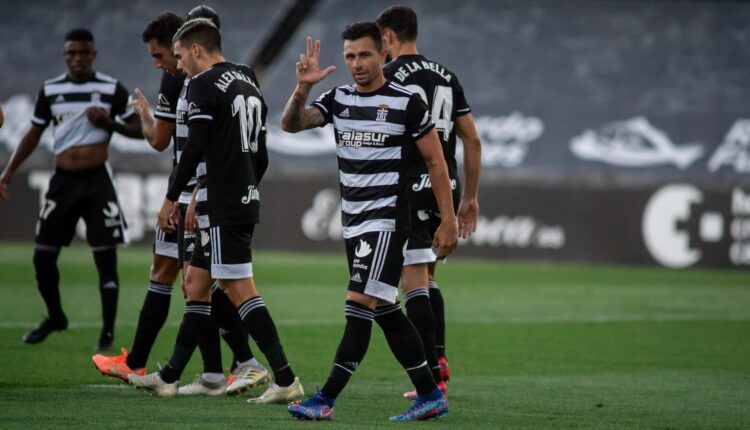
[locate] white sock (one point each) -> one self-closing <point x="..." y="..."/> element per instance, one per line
<point x="213" y="377"/>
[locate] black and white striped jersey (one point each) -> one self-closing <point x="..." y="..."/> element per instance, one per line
<point x="441" y="90"/>
<point x="180" y="140"/>
<point x="64" y="103"/>
<point x="375" y="137"/>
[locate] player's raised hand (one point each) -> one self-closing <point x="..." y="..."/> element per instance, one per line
<point x="468" y="212"/>
<point x="99" y="117"/>
<point x="446" y="238"/>
<point x="140" y="103"/>
<point x="308" y="68"/>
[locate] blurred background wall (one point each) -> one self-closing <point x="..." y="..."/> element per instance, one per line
<point x="612" y="131"/>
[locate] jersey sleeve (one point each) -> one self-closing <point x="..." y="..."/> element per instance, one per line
<point x="121" y="102"/>
<point x="169" y="92"/>
<point x="418" y="119"/>
<point x="42" y="110"/>
<point x="202" y="103"/>
<point x="462" y="106"/>
<point x="324" y="104"/>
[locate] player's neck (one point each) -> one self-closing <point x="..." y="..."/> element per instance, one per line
<point x="209" y="61"/>
<point x="83" y="77"/>
<point x="406" y="48"/>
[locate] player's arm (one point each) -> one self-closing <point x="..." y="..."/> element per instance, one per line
<point x="158" y="132"/>
<point x="2" y="117"/>
<point x="468" y="210"/>
<point x="297" y="116"/>
<point x="198" y="135"/>
<point x="446" y="236"/>
<point x="28" y="143"/>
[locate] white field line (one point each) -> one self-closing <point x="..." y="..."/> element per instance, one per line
<point x="104" y="386"/>
<point x="561" y="319"/>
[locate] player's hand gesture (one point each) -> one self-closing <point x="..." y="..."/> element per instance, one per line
<point x="140" y="103"/>
<point x="191" y="224"/>
<point x="446" y="238"/>
<point x="468" y="212"/>
<point x="99" y="117"/>
<point x="308" y="69"/>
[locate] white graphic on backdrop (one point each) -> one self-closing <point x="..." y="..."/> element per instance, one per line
<point x="734" y="151"/>
<point x="633" y="143"/>
<point x="506" y="139"/>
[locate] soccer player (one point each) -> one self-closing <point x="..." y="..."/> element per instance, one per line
<point x="379" y="127"/>
<point x="82" y="104"/>
<point x="442" y="92"/>
<point x="225" y="120"/>
<point x="2" y="117"/>
<point x="170" y="115"/>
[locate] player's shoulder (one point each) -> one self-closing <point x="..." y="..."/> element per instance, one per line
<point x="397" y="90"/>
<point x="63" y="77"/>
<point x="104" y="78"/>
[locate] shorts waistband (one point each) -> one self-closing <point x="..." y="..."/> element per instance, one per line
<point x="102" y="168"/>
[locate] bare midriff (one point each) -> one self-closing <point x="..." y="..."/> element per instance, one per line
<point x="82" y="157"/>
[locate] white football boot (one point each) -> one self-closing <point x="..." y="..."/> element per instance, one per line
<point x="154" y="384"/>
<point x="200" y="386"/>
<point x="247" y="376"/>
<point x="283" y="395"/>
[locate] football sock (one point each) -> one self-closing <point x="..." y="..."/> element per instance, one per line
<point x="106" y="265"/>
<point x="230" y="325"/>
<point x="405" y="344"/>
<point x="150" y="321"/>
<point x="210" y="346"/>
<point x="48" y="281"/>
<point x="195" y="322"/>
<point x="420" y="314"/>
<point x="259" y="324"/>
<point x="438" y="309"/>
<point x="352" y="348"/>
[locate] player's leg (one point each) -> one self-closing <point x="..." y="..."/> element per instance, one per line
<point x="232" y="264"/>
<point x="414" y="283"/>
<point x="438" y="309"/>
<point x="105" y="229"/>
<point x="55" y="229"/>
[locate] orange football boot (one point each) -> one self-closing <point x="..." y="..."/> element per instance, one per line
<point x="117" y="366"/>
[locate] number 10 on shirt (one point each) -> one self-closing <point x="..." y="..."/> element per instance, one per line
<point x="249" y="110"/>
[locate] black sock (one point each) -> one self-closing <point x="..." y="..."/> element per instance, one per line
<point x="210" y="346"/>
<point x="153" y="315"/>
<point x="106" y="265"/>
<point x="230" y="325"/>
<point x="438" y="309"/>
<point x="48" y="280"/>
<point x="405" y="344"/>
<point x="259" y="324"/>
<point x="420" y="314"/>
<point x="352" y="348"/>
<point x="195" y="322"/>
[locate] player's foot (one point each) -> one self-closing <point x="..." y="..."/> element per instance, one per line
<point x="245" y="377"/>
<point x="412" y="395"/>
<point x="315" y="408"/>
<point x="200" y="386"/>
<point x="431" y="406"/>
<point x="284" y="395"/>
<point x="105" y="342"/>
<point x="45" y="328"/>
<point x="117" y="366"/>
<point x="153" y="384"/>
<point x="445" y="371"/>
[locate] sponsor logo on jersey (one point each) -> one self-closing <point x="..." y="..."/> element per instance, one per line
<point x="356" y="277"/>
<point x="382" y="113"/>
<point x="344" y="113"/>
<point x="193" y="109"/>
<point x="163" y="100"/>
<point x="356" y="139"/>
<point x="60" y="99"/>
<point x="424" y="183"/>
<point x="252" y="194"/>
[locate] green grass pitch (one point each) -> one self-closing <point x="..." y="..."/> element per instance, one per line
<point x="530" y="346"/>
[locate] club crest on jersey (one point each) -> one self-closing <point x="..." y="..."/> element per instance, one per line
<point x="382" y="113"/>
<point x="96" y="97"/>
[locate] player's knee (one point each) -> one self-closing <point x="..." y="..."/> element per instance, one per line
<point x="362" y="299"/>
<point x="164" y="270"/>
<point x="45" y="259"/>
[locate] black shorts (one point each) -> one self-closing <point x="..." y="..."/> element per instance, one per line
<point x="424" y="221"/>
<point x="375" y="261"/>
<point x="185" y="240"/>
<point x="88" y="194"/>
<point x="225" y="251"/>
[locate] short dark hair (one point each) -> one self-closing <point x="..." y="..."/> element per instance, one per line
<point x="79" y="35"/>
<point x="162" y="29"/>
<point x="204" y="11"/>
<point x="362" y="29"/>
<point x="402" y="20"/>
<point x="200" y="31"/>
